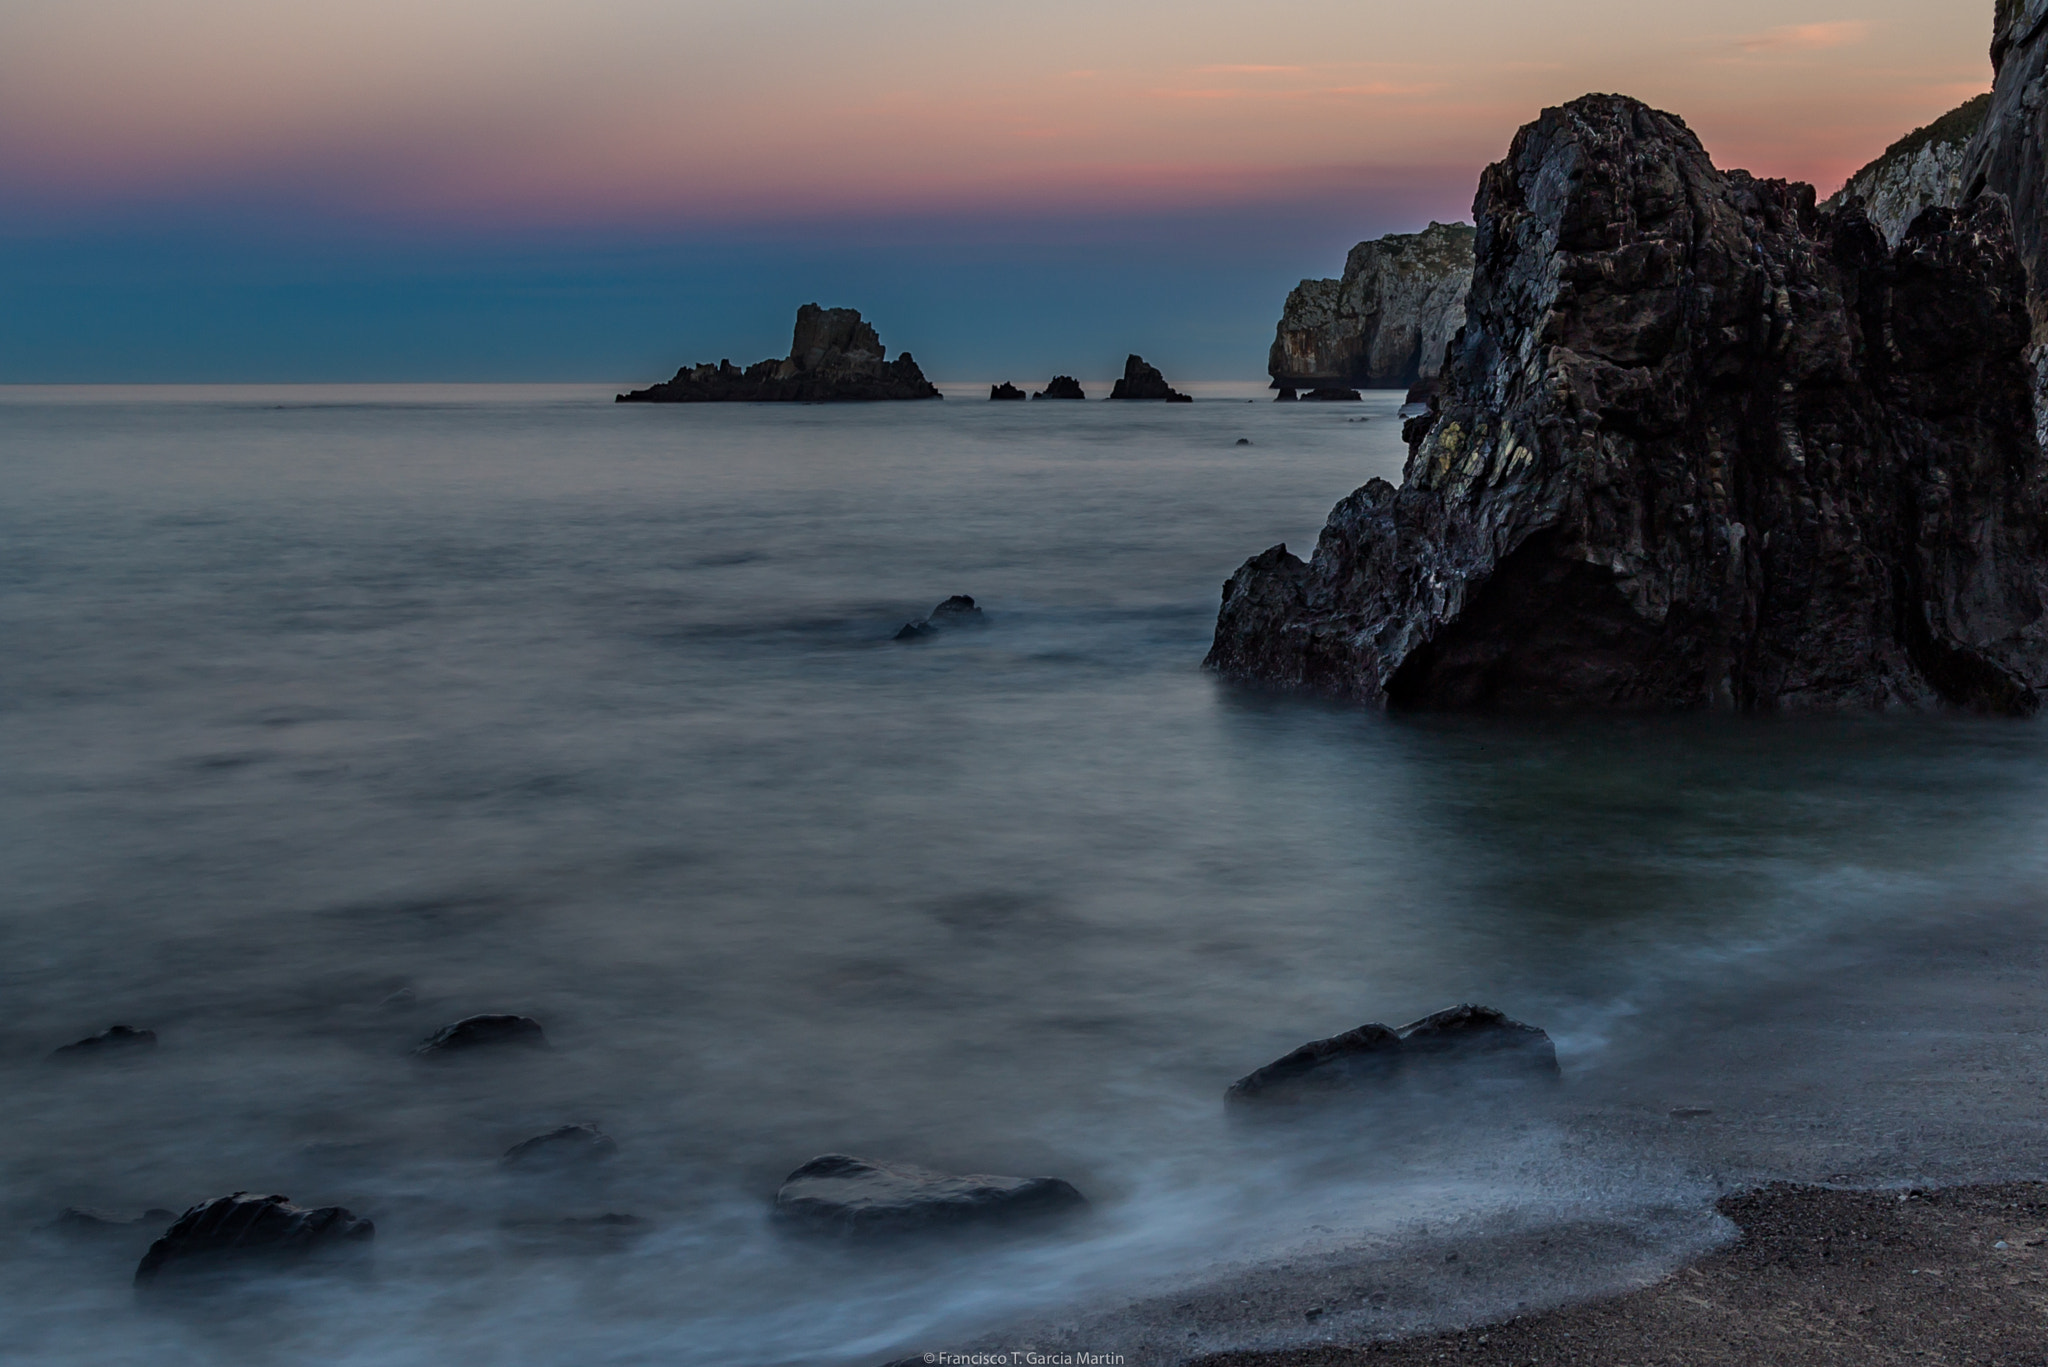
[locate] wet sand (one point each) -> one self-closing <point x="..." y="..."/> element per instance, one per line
<point x="1818" y="1276"/>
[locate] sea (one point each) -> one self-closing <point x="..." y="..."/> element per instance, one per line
<point x="332" y="714"/>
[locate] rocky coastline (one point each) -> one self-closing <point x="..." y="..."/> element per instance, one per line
<point x="1701" y="444"/>
<point x="1384" y="324"/>
<point x="834" y="357"/>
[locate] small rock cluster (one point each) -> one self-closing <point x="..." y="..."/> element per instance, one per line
<point x="834" y="357"/>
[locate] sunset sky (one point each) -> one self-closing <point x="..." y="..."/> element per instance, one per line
<point x="528" y="189"/>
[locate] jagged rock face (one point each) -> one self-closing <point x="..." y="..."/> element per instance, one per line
<point x="1699" y="445"/>
<point x="1923" y="170"/>
<point x="834" y="357"/>
<point x="2007" y="157"/>
<point x="1142" y="381"/>
<point x="1384" y="325"/>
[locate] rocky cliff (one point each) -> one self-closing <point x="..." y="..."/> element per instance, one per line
<point x="1385" y="323"/>
<point x="834" y="357"/>
<point x="2007" y="158"/>
<point x="1922" y="170"/>
<point x="1700" y="444"/>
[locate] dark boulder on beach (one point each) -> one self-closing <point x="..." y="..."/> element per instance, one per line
<point x="834" y="357"/>
<point x="956" y="612"/>
<point x="1005" y="390"/>
<point x="844" y="1195"/>
<point x="1700" y="444"/>
<point x="1061" y="387"/>
<point x="1463" y="1043"/>
<point x="483" y="1032"/>
<point x="243" y="1230"/>
<point x="567" y="1146"/>
<point x="1143" y="382"/>
<point x="115" y="1039"/>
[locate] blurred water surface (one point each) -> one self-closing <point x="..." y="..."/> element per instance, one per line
<point x="519" y="701"/>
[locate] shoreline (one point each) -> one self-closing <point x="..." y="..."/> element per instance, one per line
<point x="1817" y="1275"/>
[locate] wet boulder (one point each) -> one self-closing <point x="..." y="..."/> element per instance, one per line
<point x="1005" y="390"/>
<point x="243" y="1231"/>
<point x="1061" y="387"/>
<point x="490" y="1032"/>
<point x="1461" y="1044"/>
<point x="115" y="1039"/>
<point x="845" y="1195"/>
<point x="570" y="1146"/>
<point x="956" y="612"/>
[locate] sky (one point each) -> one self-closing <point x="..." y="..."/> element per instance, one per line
<point x="440" y="190"/>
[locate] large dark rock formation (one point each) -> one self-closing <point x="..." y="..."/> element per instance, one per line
<point x="1462" y="1043"/>
<point x="1700" y="445"/>
<point x="1142" y="381"/>
<point x="1923" y="170"/>
<point x="841" y="1194"/>
<point x="1385" y="324"/>
<point x="834" y="357"/>
<point x="243" y="1229"/>
<point x="2007" y="158"/>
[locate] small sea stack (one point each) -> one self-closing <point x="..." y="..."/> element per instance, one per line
<point x="1061" y="387"/>
<point x="1005" y="390"/>
<point x="834" y="357"/>
<point x="1144" y="382"/>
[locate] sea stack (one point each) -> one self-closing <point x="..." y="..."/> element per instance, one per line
<point x="1142" y="381"/>
<point x="1700" y="444"/>
<point x="1062" y="387"/>
<point x="1384" y="324"/>
<point x="834" y="357"/>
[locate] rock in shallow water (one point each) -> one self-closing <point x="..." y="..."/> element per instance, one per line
<point x="243" y="1230"/>
<point x="566" y="1147"/>
<point x="845" y="1195"/>
<point x="1062" y="387"/>
<point x="483" y="1032"/>
<point x="1459" y="1044"/>
<point x="1699" y="445"/>
<point x="956" y="612"/>
<point x="115" y="1039"/>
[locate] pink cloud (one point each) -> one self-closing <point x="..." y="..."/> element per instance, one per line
<point x="1806" y="37"/>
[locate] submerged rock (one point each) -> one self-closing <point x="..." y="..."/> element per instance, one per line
<point x="115" y="1039"/>
<point x="1385" y="323"/>
<point x="483" y="1032"/>
<point x="1005" y="390"/>
<point x="956" y="612"/>
<point x="89" y="1222"/>
<point x="1462" y="1043"/>
<point x="563" y="1147"/>
<point x="1143" y="381"/>
<point x="241" y="1229"/>
<point x="1700" y="445"/>
<point x="1061" y="387"/>
<point x="845" y="1195"/>
<point x="834" y="357"/>
<point x="1334" y="395"/>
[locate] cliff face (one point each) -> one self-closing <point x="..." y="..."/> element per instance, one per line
<point x="834" y="357"/>
<point x="1385" y="323"/>
<point x="1922" y="170"/>
<point x="2007" y="157"/>
<point x="1700" y="445"/>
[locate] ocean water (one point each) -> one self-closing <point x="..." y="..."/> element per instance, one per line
<point x="514" y="700"/>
